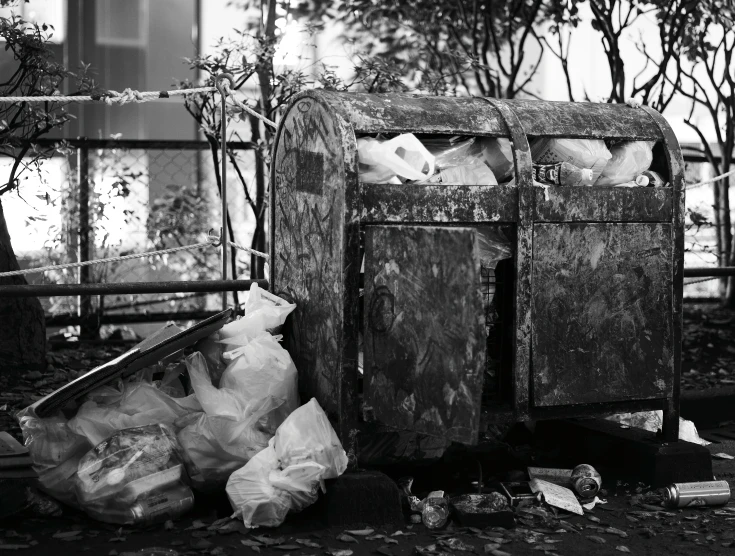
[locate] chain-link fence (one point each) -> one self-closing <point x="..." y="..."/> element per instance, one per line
<point x="140" y="196"/>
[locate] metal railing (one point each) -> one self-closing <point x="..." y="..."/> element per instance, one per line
<point x="86" y="150"/>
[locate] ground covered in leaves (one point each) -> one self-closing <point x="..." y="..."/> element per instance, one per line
<point x="633" y="521"/>
<point x="708" y="350"/>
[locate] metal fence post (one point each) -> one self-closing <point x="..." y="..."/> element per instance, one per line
<point x="86" y="330"/>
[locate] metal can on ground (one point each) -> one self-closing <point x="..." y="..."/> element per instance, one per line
<point x="435" y="511"/>
<point x="704" y="493"/>
<point x="163" y="505"/>
<point x="586" y="481"/>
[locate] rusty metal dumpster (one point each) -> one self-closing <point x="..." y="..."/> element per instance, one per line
<point x="589" y="307"/>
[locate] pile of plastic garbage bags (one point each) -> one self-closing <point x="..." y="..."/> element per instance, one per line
<point x="137" y="452"/>
<point x="436" y="159"/>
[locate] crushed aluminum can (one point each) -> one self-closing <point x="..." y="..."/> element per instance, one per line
<point x="586" y="481"/>
<point x="689" y="495"/>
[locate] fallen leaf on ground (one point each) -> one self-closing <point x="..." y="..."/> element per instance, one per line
<point x="308" y="543"/>
<point x="251" y="544"/>
<point x="267" y="541"/>
<point x="455" y="544"/>
<point x="66" y="534"/>
<point x="598" y="540"/>
<point x="288" y="547"/>
<point x="201" y="544"/>
<point x="346" y="538"/>
<point x="197" y="524"/>
<point x="384" y="551"/>
<point x="339" y="552"/>
<point x="618" y="532"/>
<point x="361" y="532"/>
<point x="722" y="455"/>
<point x="622" y="548"/>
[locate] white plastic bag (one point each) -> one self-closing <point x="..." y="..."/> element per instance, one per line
<point x="288" y="473"/>
<point x="262" y="370"/>
<point x="582" y="153"/>
<point x="469" y="174"/>
<point x="629" y="159"/>
<point x="264" y="311"/>
<point x="239" y="418"/>
<point x="404" y="156"/>
<point x="307" y="435"/>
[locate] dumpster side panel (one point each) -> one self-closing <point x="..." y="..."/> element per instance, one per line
<point x="602" y="306"/>
<point x="424" y="330"/>
<point x="309" y="247"/>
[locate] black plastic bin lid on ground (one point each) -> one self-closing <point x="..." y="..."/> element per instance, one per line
<point x="153" y="349"/>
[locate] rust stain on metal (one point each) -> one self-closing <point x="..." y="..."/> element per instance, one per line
<point x="583" y="119"/>
<point x="424" y="329"/>
<point x="602" y="304"/>
<point x="438" y="203"/>
<point x="604" y="204"/>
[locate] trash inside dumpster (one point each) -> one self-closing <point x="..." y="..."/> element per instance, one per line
<point x="135" y="447"/>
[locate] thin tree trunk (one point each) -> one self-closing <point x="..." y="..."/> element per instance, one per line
<point x="22" y="320"/>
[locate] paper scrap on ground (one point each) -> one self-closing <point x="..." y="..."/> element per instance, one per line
<point x="722" y="455"/>
<point x="595" y="501"/>
<point x="557" y="496"/>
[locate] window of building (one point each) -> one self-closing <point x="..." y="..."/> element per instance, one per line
<point x="122" y="23"/>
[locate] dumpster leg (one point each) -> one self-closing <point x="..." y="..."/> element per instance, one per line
<point x="670" y="425"/>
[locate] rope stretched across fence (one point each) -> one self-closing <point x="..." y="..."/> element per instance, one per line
<point x="130" y="95"/>
<point x="212" y="241"/>
<point x="111" y="97"/>
<point x="244" y="107"/>
<point x="710" y="180"/>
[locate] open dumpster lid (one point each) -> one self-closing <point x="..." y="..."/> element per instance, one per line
<point x="154" y="348"/>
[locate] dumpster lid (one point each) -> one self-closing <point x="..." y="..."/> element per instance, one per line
<point x="155" y="347"/>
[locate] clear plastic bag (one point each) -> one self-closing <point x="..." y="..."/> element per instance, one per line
<point x="582" y="153"/>
<point x="140" y="404"/>
<point x="286" y="475"/>
<point x="449" y="153"/>
<point x="384" y="161"/>
<point x="55" y="451"/>
<point x="117" y="478"/>
<point x="629" y="159"/>
<point x="498" y="154"/>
